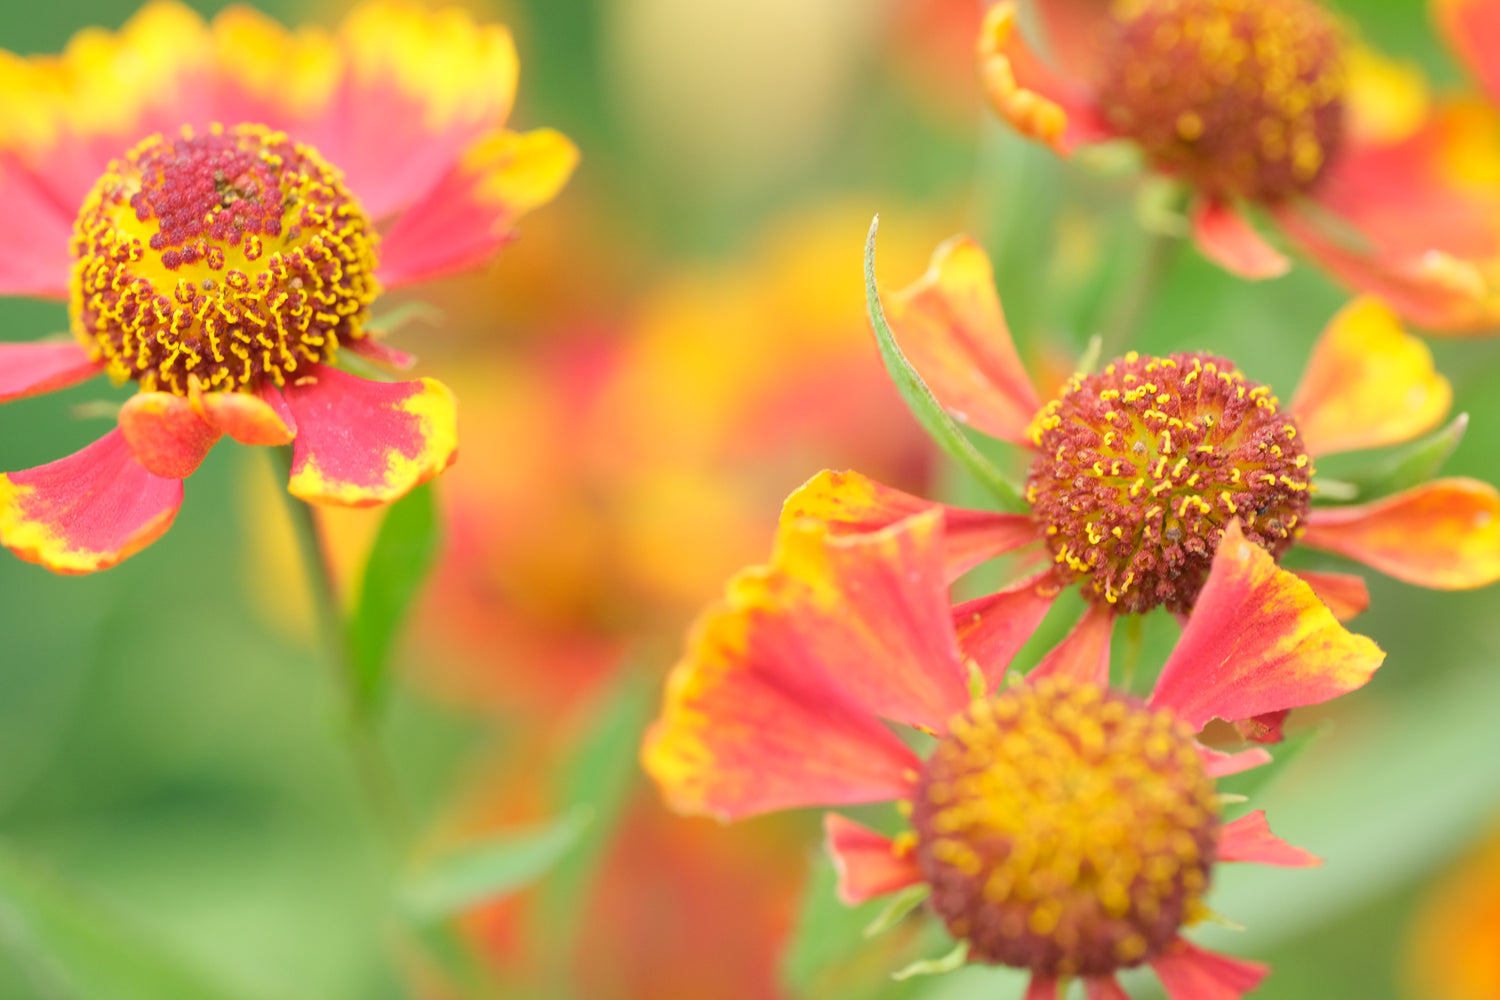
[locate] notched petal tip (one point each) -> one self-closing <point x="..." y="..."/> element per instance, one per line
<point x="868" y="864"/>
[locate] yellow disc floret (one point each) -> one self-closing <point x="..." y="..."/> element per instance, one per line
<point x="1066" y="829"/>
<point x="220" y="260"/>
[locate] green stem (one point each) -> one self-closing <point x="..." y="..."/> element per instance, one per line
<point x="376" y="778"/>
<point x="1135" y="638"/>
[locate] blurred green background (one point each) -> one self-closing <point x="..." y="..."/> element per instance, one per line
<point x="177" y="761"/>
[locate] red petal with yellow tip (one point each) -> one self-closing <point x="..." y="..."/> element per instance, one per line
<point x="247" y="418"/>
<point x="1444" y="534"/>
<point x="1258" y="641"/>
<point x="853" y="504"/>
<point x="1037" y="102"/>
<point x="468" y="216"/>
<point x="1083" y="655"/>
<point x="1104" y="988"/>
<point x="33" y="369"/>
<point x="34" y="242"/>
<point x="1368" y="383"/>
<point x="1228" y="239"/>
<point x="1188" y="972"/>
<point x="86" y="512"/>
<point x="167" y="436"/>
<point x="991" y="630"/>
<point x="1041" y="988"/>
<point x="1217" y="764"/>
<point x="868" y="863"/>
<point x="1345" y="594"/>
<point x="1472" y="29"/>
<point x="361" y="443"/>
<point x="1249" y="838"/>
<point x="950" y="326"/>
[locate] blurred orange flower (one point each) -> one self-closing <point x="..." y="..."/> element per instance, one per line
<point x="1455" y="944"/>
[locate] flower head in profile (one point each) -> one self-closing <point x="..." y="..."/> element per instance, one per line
<point x="1271" y="103"/>
<point x="1063" y="827"/>
<point x="1138" y="470"/>
<point x="246" y="193"/>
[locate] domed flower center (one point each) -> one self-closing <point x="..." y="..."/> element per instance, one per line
<point x="1243" y="98"/>
<point x="224" y="258"/>
<point x="1065" y="829"/>
<point x="1140" y="468"/>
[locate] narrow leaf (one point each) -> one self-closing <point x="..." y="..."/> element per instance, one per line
<point x="405" y="314"/>
<point x="490" y="869"/>
<point x="901" y="904"/>
<point x="924" y="405"/>
<point x="1413" y="464"/>
<point x="403" y="555"/>
<point x="955" y="959"/>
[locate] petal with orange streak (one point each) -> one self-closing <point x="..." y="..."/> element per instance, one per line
<point x="360" y="443"/>
<point x="952" y="330"/>
<point x="468" y="215"/>
<point x="1368" y="383"/>
<point x="34" y="369"/>
<point x="1249" y="838"/>
<point x="1227" y="238"/>
<point x="851" y="503"/>
<point x="868" y="864"/>
<point x="1083" y="655"/>
<point x="991" y="630"/>
<point x="248" y="418"/>
<point x="1037" y="102"/>
<point x="1472" y="30"/>
<point x="1346" y="594"/>
<point x="1188" y="972"/>
<point x="1444" y="534"/>
<point x="1258" y="641"/>
<point x="86" y="512"/>
<point x="166" y="434"/>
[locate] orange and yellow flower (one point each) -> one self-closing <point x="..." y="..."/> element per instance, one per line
<point x="1454" y="953"/>
<point x="1062" y="827"/>
<point x="246" y="193"/>
<point x="1269" y="103"/>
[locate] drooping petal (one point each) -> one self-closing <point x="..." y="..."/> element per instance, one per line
<point x="1083" y="655"/>
<point x="1258" y="641"/>
<point x="1041" y="988"/>
<point x="1217" y="764"/>
<point x="361" y="443"/>
<point x="1228" y="239"/>
<point x="1188" y="972"/>
<point x="1345" y="594"/>
<point x="1249" y="838"/>
<point x="34" y="369"/>
<point x="853" y="504"/>
<point x="468" y="215"/>
<point x="1444" y="534"/>
<point x="1037" y="102"/>
<point x="868" y="864"/>
<point x="1368" y="383"/>
<point x="247" y="418"/>
<point x="167" y="436"/>
<point x="382" y="353"/>
<point x="88" y="511"/>
<point x="991" y="630"/>
<point x="951" y="328"/>
<point x="1472" y="29"/>
<point x="1104" y="988"/>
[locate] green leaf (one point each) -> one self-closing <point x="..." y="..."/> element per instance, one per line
<point x="403" y="555"/>
<point x="69" y="948"/>
<point x="490" y="869"/>
<point x="1257" y="781"/>
<point x="955" y="959"/>
<point x="405" y="314"/>
<point x="1415" y="463"/>
<point x="923" y="404"/>
<point x="901" y="904"/>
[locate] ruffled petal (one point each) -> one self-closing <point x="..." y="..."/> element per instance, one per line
<point x="991" y="630"/>
<point x="1038" y="103"/>
<point x="1083" y="655"/>
<point x="1217" y="764"/>
<point x="86" y="512"/>
<point x="1472" y="30"/>
<point x="1258" y="641"/>
<point x="1369" y="383"/>
<point x="269" y="74"/>
<point x="167" y="436"/>
<point x="854" y="504"/>
<point x="868" y="864"/>
<point x="1188" y="972"/>
<point x="1104" y="988"/>
<point x="1444" y="534"/>
<point x="1345" y="594"/>
<point x="361" y="443"/>
<point x="950" y="326"/>
<point x="1227" y="238"/>
<point x="1249" y="838"/>
<point x="34" y="369"/>
<point x="468" y="215"/>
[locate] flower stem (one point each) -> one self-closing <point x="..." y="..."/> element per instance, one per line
<point x="376" y="778"/>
